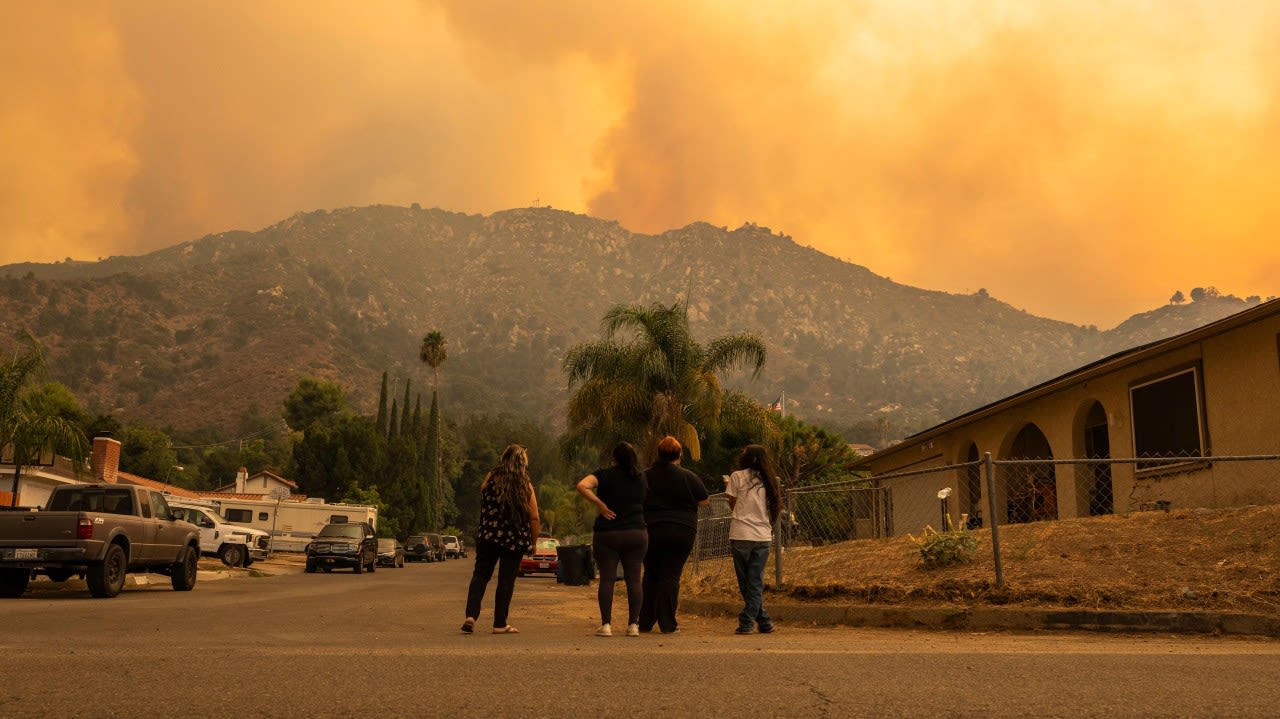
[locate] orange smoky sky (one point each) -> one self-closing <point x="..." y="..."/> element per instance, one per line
<point x="1081" y="161"/>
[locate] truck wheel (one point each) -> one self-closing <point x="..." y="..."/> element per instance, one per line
<point x="183" y="573"/>
<point x="359" y="568"/>
<point x="232" y="555"/>
<point x="58" y="575"/>
<point x="106" y="578"/>
<point x="311" y="567"/>
<point x="399" y="563"/>
<point x="13" y="582"/>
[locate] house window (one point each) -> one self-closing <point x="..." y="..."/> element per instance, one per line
<point x="262" y="516"/>
<point x="239" y="515"/>
<point x="1167" y="417"/>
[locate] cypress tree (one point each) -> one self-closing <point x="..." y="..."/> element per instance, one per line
<point x="382" y="406"/>
<point x="434" y="481"/>
<point x="393" y="427"/>
<point x="404" y="409"/>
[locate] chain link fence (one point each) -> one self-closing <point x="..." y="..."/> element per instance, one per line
<point x="987" y="494"/>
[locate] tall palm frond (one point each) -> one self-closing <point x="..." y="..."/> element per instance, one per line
<point x="649" y="377"/>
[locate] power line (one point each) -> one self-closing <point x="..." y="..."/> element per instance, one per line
<point x="279" y="428"/>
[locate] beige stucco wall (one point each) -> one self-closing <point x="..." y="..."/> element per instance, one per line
<point x="1240" y="385"/>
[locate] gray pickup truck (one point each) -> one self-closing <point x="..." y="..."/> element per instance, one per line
<point x="100" y="532"/>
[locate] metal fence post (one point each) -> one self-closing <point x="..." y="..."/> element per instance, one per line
<point x="778" y="544"/>
<point x="992" y="517"/>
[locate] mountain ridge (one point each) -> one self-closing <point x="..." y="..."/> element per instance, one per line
<point x="207" y="331"/>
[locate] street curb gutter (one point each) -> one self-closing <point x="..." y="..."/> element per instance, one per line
<point x="985" y="618"/>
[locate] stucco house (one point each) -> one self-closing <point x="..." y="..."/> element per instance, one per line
<point x="1211" y="392"/>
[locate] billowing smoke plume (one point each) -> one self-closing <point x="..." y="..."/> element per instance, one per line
<point x="1080" y="160"/>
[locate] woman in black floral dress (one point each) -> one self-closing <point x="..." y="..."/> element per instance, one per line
<point x="509" y="524"/>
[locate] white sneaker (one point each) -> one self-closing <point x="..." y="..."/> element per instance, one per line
<point x="633" y="630"/>
<point x="605" y="631"/>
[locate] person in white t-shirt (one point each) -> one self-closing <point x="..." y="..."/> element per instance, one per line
<point x="756" y="501"/>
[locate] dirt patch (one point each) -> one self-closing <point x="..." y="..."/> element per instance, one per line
<point x="1219" y="560"/>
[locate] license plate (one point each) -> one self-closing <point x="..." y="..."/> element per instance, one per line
<point x="544" y="565"/>
<point x="26" y="554"/>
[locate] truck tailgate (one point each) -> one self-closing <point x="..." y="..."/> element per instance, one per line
<point x="38" y="529"/>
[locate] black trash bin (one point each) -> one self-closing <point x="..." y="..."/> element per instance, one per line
<point x="574" y="563"/>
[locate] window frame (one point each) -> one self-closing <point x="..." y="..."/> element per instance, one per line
<point x="1202" y="429"/>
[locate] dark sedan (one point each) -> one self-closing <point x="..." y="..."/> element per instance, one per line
<point x="390" y="553"/>
<point x="346" y="544"/>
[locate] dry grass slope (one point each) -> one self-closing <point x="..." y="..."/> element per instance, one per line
<point x="1219" y="560"/>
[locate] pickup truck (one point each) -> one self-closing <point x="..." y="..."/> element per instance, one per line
<point x="101" y="532"/>
<point x="235" y="545"/>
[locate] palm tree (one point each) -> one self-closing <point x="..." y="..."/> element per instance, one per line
<point x="433" y="354"/>
<point x="659" y="381"/>
<point x="29" y="426"/>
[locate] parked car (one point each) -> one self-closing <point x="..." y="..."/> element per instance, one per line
<point x="544" y="560"/>
<point x="453" y="547"/>
<point x="343" y="544"/>
<point x="417" y="548"/>
<point x="390" y="552"/>
<point x="436" y="543"/>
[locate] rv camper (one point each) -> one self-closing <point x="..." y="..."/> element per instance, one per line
<point x="293" y="523"/>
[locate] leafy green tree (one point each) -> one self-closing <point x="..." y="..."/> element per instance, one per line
<point x="807" y="454"/>
<point x="655" y="381"/>
<point x="370" y="496"/>
<point x="32" y="421"/>
<point x="337" y="452"/>
<point x="149" y="453"/>
<point x="313" y="400"/>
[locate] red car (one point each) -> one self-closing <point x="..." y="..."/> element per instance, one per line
<point x="543" y="560"/>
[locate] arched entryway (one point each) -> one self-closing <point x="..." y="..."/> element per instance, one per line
<point x="1031" y="492"/>
<point x="1097" y="445"/>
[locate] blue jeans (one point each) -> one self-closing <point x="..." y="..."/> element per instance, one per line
<point x="749" y="559"/>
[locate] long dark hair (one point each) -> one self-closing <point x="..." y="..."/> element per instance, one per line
<point x="756" y="458"/>
<point x="510" y="480"/>
<point x="624" y="455"/>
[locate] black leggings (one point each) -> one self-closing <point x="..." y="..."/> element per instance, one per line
<point x="669" y="547"/>
<point x="627" y="545"/>
<point x="489" y="555"/>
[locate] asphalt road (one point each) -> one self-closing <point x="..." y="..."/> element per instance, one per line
<point x="387" y="645"/>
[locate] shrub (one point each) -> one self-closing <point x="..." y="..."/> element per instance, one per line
<point x="943" y="549"/>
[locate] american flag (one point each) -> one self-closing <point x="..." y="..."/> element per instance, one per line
<point x="777" y="405"/>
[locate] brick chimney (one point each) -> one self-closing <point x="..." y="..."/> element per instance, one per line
<point x="106" y="459"/>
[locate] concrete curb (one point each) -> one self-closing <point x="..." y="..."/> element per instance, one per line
<point x="1013" y="618"/>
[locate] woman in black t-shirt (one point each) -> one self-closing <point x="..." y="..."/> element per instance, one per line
<point x="618" y="494"/>
<point x="671" y="515"/>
